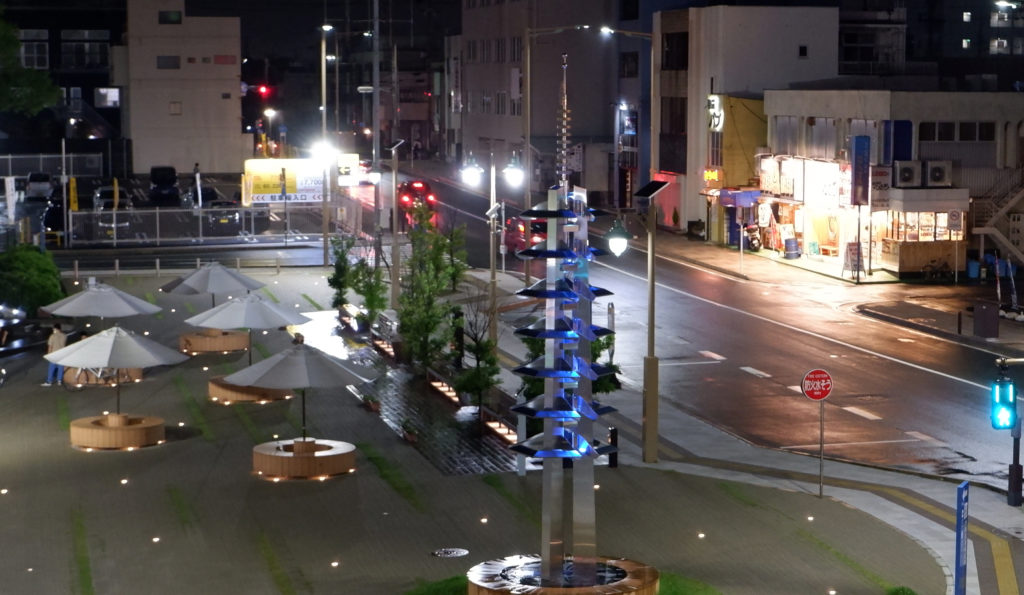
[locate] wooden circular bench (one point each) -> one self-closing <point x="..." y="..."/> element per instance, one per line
<point x="303" y="459"/>
<point x="227" y="393"/>
<point x="213" y="340"/>
<point x="116" y="431"/>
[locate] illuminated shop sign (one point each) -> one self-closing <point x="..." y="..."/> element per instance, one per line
<point x="716" y="116"/>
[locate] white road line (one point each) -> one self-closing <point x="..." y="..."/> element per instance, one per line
<point x="796" y="388"/>
<point x="905" y="340"/>
<point x="815" y="445"/>
<point x="926" y="438"/>
<point x="755" y="372"/>
<point x="692" y="363"/>
<point x="711" y="355"/>
<point x="862" y="413"/>
<point x="800" y="330"/>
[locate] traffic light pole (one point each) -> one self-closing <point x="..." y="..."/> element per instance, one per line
<point x="1015" y="477"/>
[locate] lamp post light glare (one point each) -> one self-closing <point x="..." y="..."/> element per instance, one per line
<point x="618" y="238"/>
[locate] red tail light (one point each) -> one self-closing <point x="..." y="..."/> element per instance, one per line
<point x="406" y="198"/>
<point x="417" y="184"/>
<point x="431" y="198"/>
<point x="522" y="228"/>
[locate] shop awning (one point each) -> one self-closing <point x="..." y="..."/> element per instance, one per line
<point x="738" y="198"/>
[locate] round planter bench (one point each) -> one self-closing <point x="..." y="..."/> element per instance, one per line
<point x="86" y="377"/>
<point x="213" y="340"/>
<point x="303" y="459"/>
<point x="226" y="393"/>
<point x="116" y="431"/>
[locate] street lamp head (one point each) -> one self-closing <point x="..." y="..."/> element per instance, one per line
<point x="618" y="238"/>
<point x="270" y="112"/>
<point x="606" y="30"/>
<point x="327" y="27"/>
<point x="471" y="173"/>
<point x="514" y="173"/>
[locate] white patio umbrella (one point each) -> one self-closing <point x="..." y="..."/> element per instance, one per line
<point x="103" y="301"/>
<point x="298" y="367"/>
<point x="116" y="348"/>
<point x="248" y="311"/>
<point x="212" y="278"/>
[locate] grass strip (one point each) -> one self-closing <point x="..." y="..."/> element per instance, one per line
<point x="183" y="510"/>
<point x="151" y="298"/>
<point x="845" y="559"/>
<point x="274" y="566"/>
<point x="193" y="408"/>
<point x="226" y="368"/>
<point x="515" y="500"/>
<point x="674" y="584"/>
<point x="257" y="435"/>
<point x="391" y="473"/>
<point x="736" y="492"/>
<point x="83" y="568"/>
<point x="191" y="309"/>
<point x="312" y="302"/>
<point x="270" y="294"/>
<point x="63" y="413"/>
<point x="453" y="585"/>
<point x="262" y="349"/>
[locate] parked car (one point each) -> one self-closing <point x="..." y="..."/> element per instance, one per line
<point x="521" y="234"/>
<point x="208" y="194"/>
<point x="222" y="218"/>
<point x="103" y="198"/>
<point x="111" y="222"/>
<point x="39" y="186"/>
<point x="163" y="186"/>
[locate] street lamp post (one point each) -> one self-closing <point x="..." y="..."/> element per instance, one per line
<point x="513" y="174"/>
<point x="327" y="187"/>
<point x="269" y="113"/>
<point x="618" y="240"/>
<point x="395" y="252"/>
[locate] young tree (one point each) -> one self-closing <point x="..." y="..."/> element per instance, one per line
<point x="23" y="90"/>
<point x="368" y="282"/>
<point x="457" y="255"/>
<point x="483" y="374"/>
<point x="29" y="278"/>
<point x="422" y="315"/>
<point x="341" y="280"/>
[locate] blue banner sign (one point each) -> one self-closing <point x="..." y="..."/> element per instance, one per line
<point x="960" y="574"/>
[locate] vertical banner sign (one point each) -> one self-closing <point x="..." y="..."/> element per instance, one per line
<point x="960" y="573"/>
<point x="860" y="160"/>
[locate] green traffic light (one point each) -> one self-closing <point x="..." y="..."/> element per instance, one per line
<point x="1004" y="404"/>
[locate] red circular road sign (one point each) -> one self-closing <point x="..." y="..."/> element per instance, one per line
<point x="817" y="384"/>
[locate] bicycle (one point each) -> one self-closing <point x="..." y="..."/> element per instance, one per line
<point x="937" y="271"/>
<point x="83" y="377"/>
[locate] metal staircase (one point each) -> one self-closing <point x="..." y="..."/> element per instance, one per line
<point x="991" y="215"/>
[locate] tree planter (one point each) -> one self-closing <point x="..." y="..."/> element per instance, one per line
<point x="371" y="405"/>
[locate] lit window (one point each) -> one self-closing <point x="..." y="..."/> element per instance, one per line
<point x="965" y="43"/>
<point x="107" y="97"/>
<point x="967" y="16"/>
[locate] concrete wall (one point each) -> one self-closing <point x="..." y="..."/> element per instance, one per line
<point x="741" y="51"/>
<point x="192" y="114"/>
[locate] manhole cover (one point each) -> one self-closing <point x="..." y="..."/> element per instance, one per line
<point x="451" y="552"/>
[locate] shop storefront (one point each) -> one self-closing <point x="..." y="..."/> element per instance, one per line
<point x="805" y="212"/>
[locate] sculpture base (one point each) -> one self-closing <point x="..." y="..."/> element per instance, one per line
<point x="513" y="574"/>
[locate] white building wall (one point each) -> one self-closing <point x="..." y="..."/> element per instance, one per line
<point x="191" y="114"/>
<point x="743" y="50"/>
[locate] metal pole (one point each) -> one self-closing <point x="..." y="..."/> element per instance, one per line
<point x="395" y="252"/>
<point x="650" y="404"/>
<point x="324" y="211"/>
<point x="527" y="147"/>
<point x="492" y="289"/>
<point x="821" y="448"/>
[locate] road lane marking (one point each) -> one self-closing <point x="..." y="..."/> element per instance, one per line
<point x="815" y="445"/>
<point x="863" y="413"/>
<point x="905" y="340"/>
<point x="797" y="329"/>
<point x="712" y="355"/>
<point x="755" y="372"/>
<point x="926" y="438"/>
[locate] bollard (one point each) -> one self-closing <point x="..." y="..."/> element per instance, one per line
<point x="76" y="270"/>
<point x="158" y="267"/>
<point x="117" y="268"/>
<point x="960" y="322"/>
<point x="238" y="264"/>
<point x="277" y="265"/>
<point x="613" y="439"/>
<point x="198" y="265"/>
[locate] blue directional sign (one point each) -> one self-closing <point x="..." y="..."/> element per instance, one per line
<point x="960" y="574"/>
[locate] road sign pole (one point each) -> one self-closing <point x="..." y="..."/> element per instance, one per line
<point x="821" y="448"/>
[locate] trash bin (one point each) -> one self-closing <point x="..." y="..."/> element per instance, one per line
<point x="986" y="320"/>
<point x="792" y="248"/>
<point x="973" y="269"/>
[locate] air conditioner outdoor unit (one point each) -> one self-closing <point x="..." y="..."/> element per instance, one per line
<point x="907" y="174"/>
<point x="938" y="173"/>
